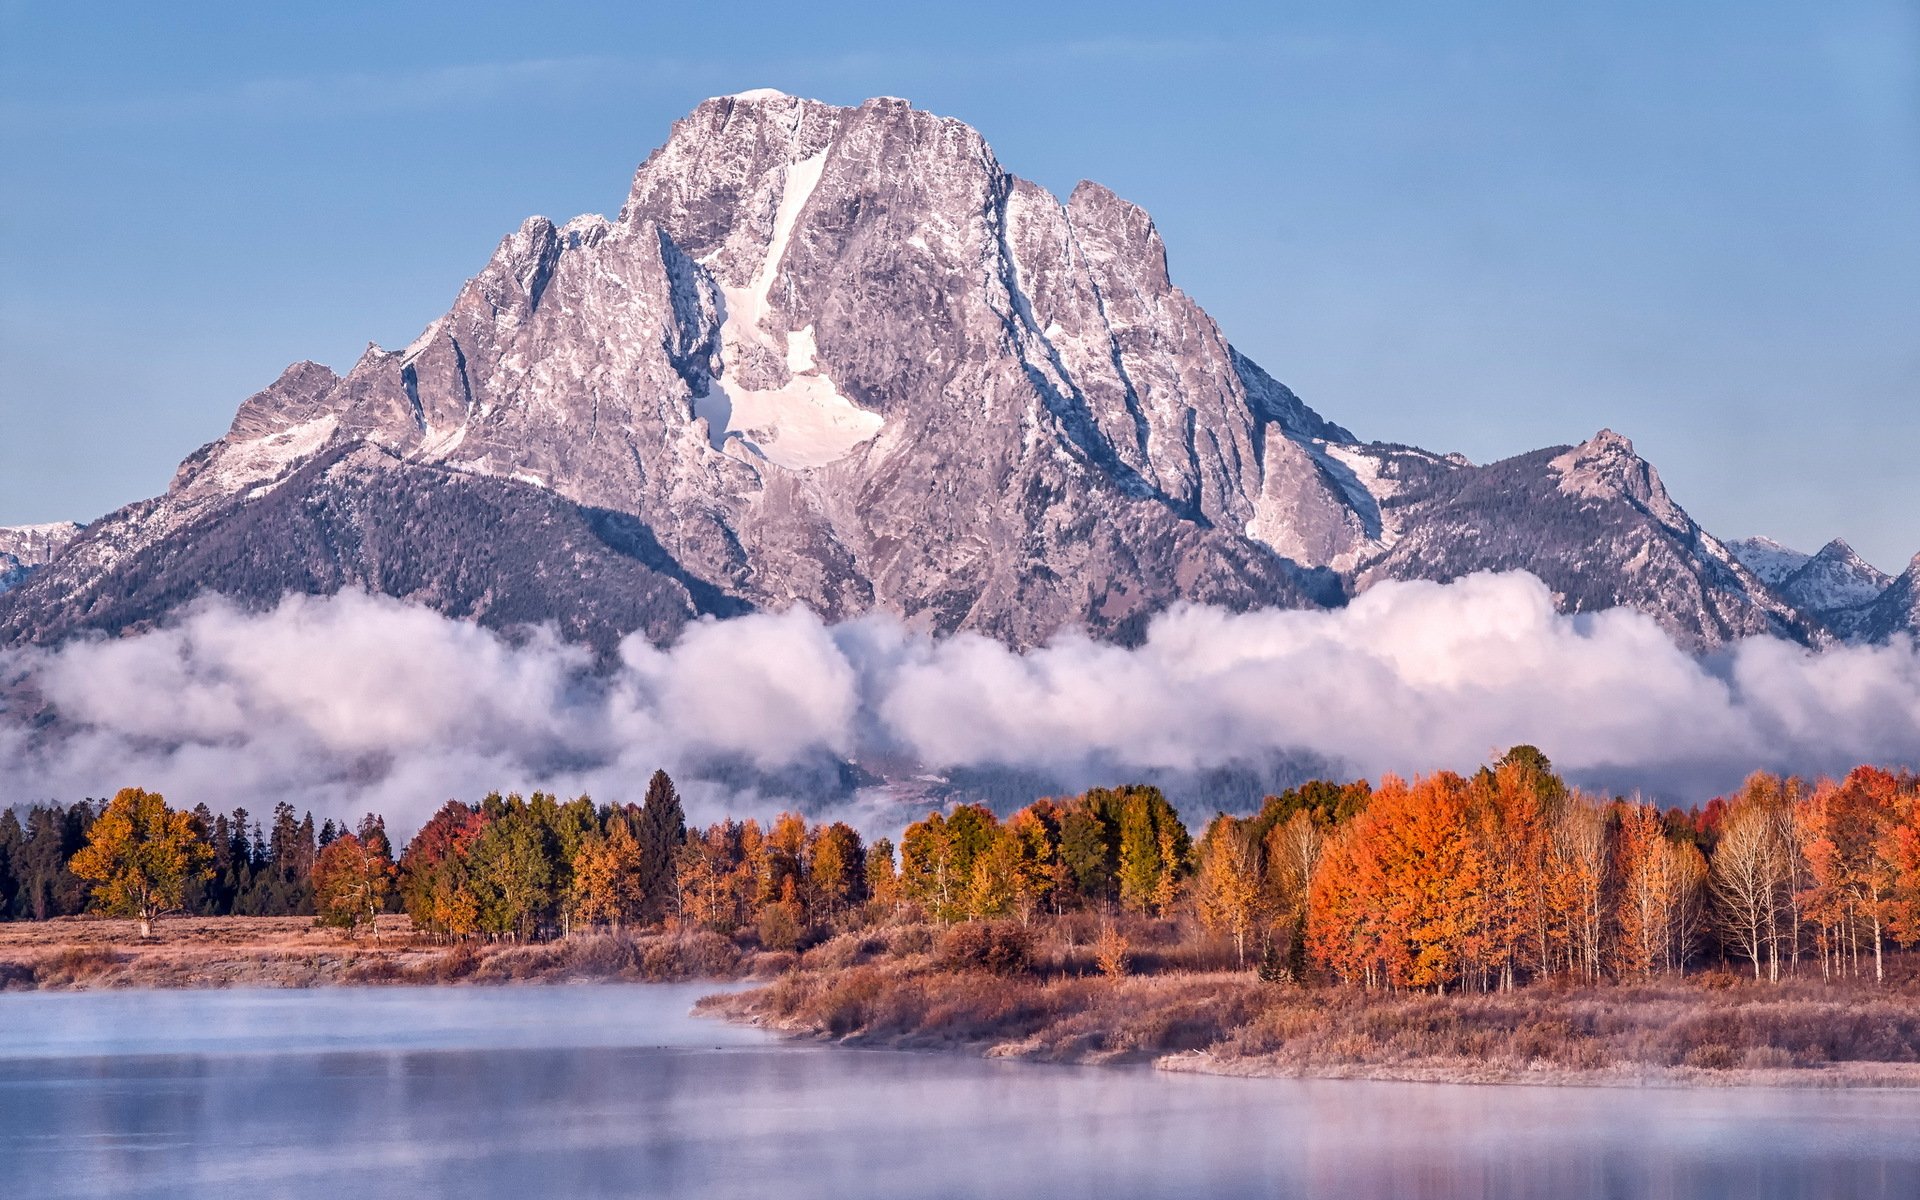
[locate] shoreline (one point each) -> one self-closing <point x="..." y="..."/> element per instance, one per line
<point x="733" y="1007"/>
<point x="850" y="992"/>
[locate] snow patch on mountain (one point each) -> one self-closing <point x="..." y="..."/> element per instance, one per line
<point x="1768" y="559"/>
<point x="255" y="464"/>
<point x="804" y="422"/>
<point x="26" y="548"/>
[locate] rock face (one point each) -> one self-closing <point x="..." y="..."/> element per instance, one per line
<point x="839" y="357"/>
<point x="25" y="548"/>
<point x="1895" y="610"/>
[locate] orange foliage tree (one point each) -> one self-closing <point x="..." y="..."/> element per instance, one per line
<point x="351" y="881"/>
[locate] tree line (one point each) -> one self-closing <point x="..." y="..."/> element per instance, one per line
<point x="245" y="868"/>
<point x="1447" y="882"/>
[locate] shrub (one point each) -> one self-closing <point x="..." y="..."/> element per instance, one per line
<point x="996" y="947"/>
<point x="780" y="927"/>
<point x="1111" y="951"/>
<point x="602" y="957"/>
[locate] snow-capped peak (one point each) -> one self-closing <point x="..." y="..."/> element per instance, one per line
<point x="1834" y="578"/>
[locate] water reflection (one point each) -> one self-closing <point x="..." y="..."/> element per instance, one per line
<point x="615" y="1092"/>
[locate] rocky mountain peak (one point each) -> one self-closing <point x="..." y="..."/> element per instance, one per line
<point x="1771" y="561"/>
<point x="1605" y="466"/>
<point x="1118" y="235"/>
<point x="1834" y="578"/>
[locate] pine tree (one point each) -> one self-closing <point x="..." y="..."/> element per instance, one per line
<point x="662" y="831"/>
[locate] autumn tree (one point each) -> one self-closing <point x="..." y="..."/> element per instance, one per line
<point x="1850" y="841"/>
<point x="1153" y="850"/>
<point x="706" y="879"/>
<point x="437" y="886"/>
<point x="1659" y="880"/>
<point x="606" y="887"/>
<point x="351" y="881"/>
<point x="1227" y="891"/>
<point x="1749" y="879"/>
<point x="837" y="865"/>
<point x="1576" y="885"/>
<point x="1400" y="898"/>
<point x="1899" y="848"/>
<point x="140" y="856"/>
<point x="937" y="855"/>
<point x="883" y="878"/>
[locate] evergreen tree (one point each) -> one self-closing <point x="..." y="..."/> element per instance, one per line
<point x="662" y="831"/>
<point x="12" y="839"/>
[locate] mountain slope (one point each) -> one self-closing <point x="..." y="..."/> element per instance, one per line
<point x="1895" y="611"/>
<point x="1595" y="524"/>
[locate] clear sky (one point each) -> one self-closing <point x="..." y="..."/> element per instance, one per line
<point x="1483" y="228"/>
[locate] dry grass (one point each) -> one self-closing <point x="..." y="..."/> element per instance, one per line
<point x="78" y="952"/>
<point x="1181" y="1008"/>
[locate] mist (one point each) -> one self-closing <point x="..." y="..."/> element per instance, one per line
<point x="355" y="703"/>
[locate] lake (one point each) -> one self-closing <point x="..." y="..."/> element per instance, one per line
<point x="617" y="1091"/>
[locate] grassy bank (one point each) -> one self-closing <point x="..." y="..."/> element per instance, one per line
<point x="907" y="989"/>
<point x="195" y="952"/>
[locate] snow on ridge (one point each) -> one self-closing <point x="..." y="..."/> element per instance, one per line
<point x="763" y="93"/>
<point x="264" y="459"/>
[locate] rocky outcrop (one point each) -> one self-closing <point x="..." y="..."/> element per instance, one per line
<point x="25" y="548"/>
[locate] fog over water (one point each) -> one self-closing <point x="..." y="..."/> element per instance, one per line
<point x="586" y="1091"/>
<point x="352" y="703"/>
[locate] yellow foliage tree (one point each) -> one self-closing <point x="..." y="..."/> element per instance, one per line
<point x="140" y="855"/>
<point x="1228" y="890"/>
<point x="606" y="888"/>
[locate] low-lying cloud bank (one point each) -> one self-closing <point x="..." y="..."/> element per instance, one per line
<point x="353" y="703"/>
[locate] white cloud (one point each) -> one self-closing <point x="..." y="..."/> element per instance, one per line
<point x="355" y="703"/>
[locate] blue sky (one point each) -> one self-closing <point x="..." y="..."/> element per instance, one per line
<point x="1482" y="228"/>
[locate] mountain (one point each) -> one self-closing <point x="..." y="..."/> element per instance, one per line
<point x="24" y="548"/>
<point x="1834" y="586"/>
<point x="1896" y="610"/>
<point x="840" y="357"/>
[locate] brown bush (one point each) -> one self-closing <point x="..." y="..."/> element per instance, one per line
<point x="702" y="954"/>
<point x="780" y="926"/>
<point x="996" y="947"/>
<point x="374" y="969"/>
<point x="77" y="965"/>
<point x="605" y="956"/>
<point x="456" y="964"/>
<point x="905" y="940"/>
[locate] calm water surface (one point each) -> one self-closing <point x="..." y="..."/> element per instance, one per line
<point x="616" y="1091"/>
